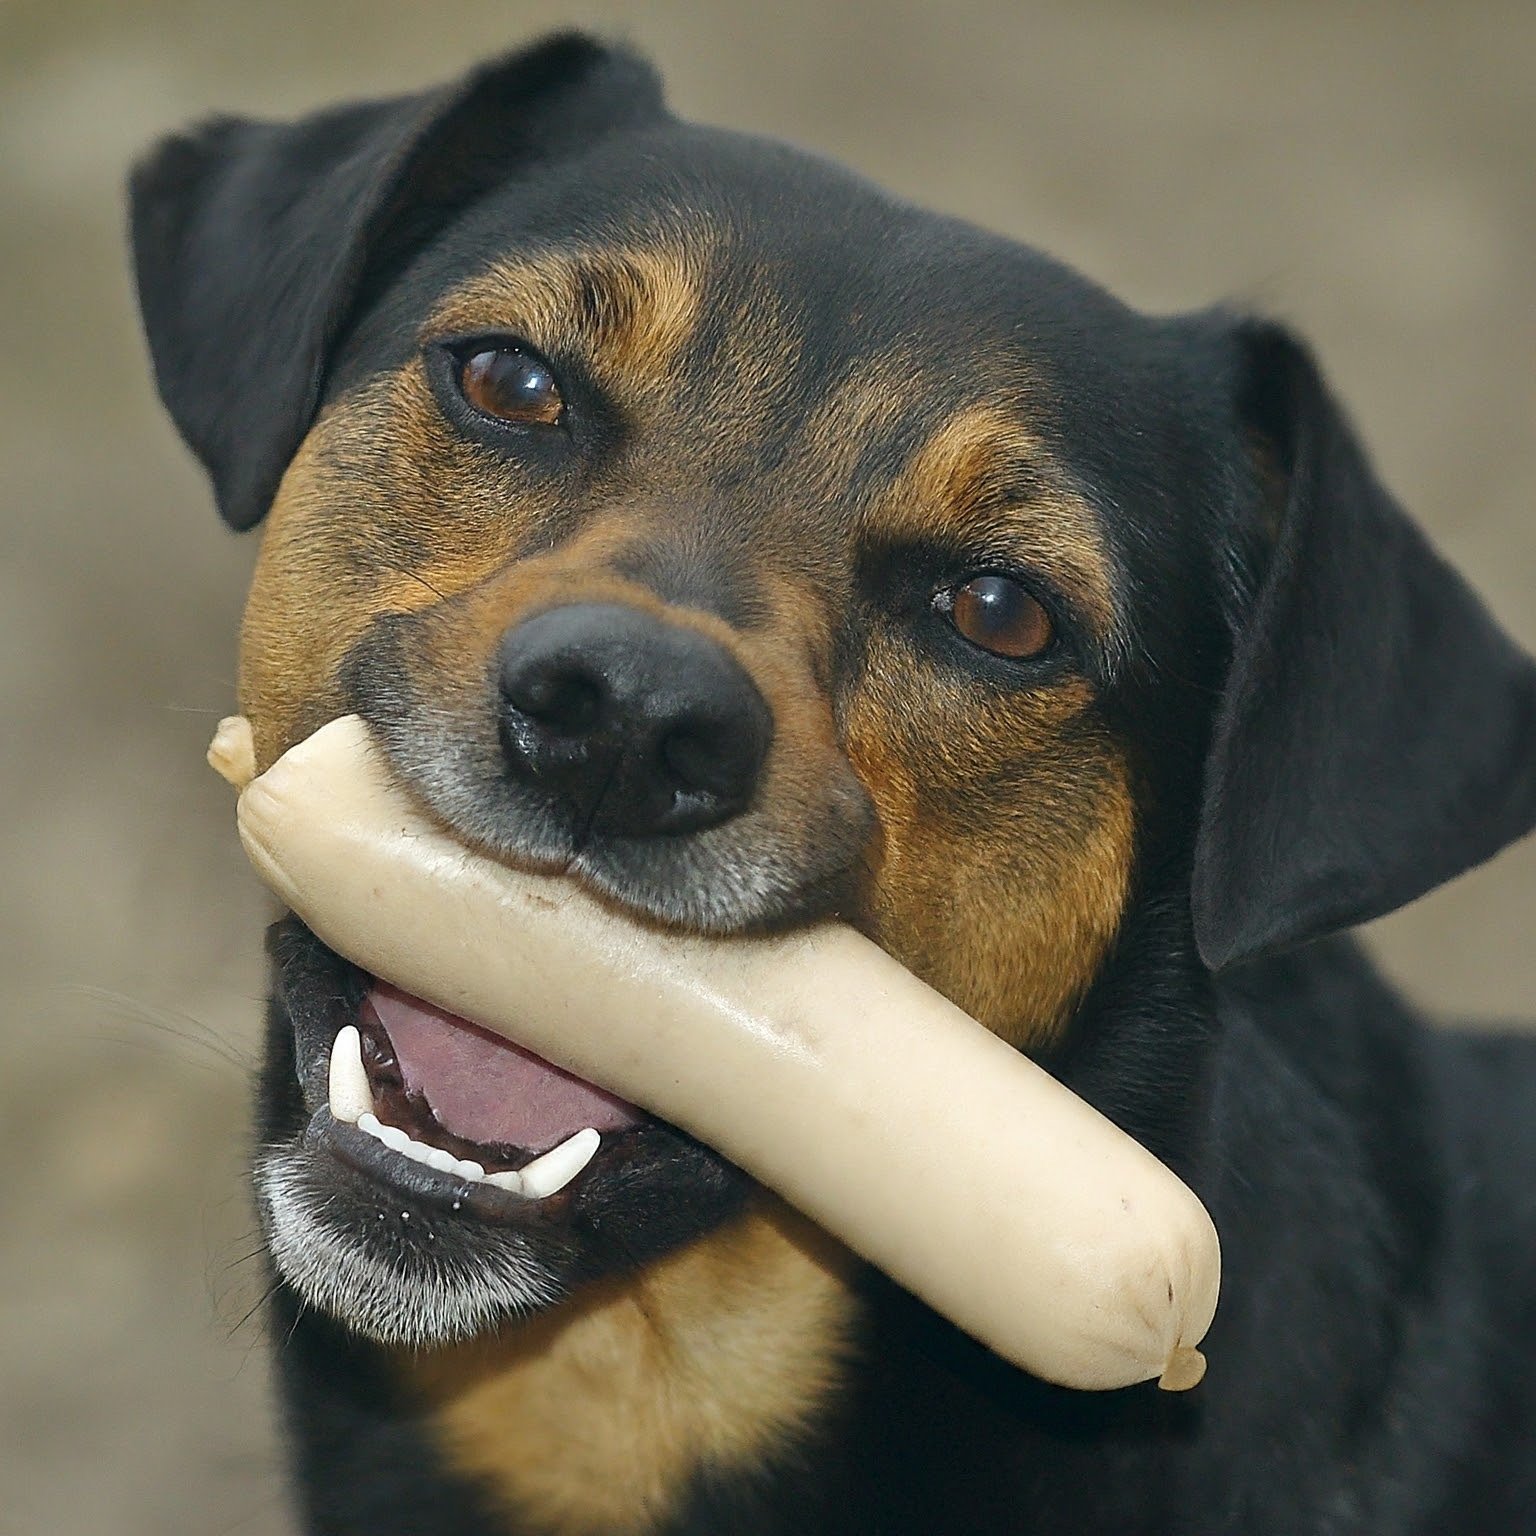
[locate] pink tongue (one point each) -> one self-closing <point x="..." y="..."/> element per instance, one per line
<point x="484" y="1088"/>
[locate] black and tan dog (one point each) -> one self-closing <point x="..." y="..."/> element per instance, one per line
<point x="685" y="514"/>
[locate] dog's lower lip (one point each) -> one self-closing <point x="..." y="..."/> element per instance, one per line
<point x="419" y="1184"/>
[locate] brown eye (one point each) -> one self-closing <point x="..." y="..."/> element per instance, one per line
<point x="999" y="615"/>
<point x="511" y="385"/>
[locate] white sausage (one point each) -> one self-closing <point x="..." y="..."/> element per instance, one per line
<point x="814" y="1061"/>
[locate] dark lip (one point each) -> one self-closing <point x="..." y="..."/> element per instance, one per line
<point x="363" y="1156"/>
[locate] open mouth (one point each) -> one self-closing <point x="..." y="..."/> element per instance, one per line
<point x="422" y="1179"/>
<point x="436" y="1091"/>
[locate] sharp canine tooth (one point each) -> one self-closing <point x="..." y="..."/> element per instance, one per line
<point x="510" y="1180"/>
<point x="557" y="1167"/>
<point x="351" y="1097"/>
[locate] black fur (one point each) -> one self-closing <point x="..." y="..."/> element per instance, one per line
<point x="1325" y="723"/>
<point x="1377" y="733"/>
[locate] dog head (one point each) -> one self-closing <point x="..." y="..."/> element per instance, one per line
<point x="688" y="516"/>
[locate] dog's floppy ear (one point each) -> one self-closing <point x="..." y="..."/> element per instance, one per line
<point x="1377" y="731"/>
<point x="251" y="240"/>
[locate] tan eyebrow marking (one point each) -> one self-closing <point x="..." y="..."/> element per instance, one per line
<point x="982" y="474"/>
<point x="630" y="310"/>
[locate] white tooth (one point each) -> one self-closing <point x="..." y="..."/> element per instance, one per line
<point x="510" y="1180"/>
<point x="469" y="1170"/>
<point x="369" y="1123"/>
<point x="394" y="1138"/>
<point x="417" y="1151"/>
<point x="444" y="1162"/>
<point x="557" y="1167"/>
<point x="351" y="1098"/>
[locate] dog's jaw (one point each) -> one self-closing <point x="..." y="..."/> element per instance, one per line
<point x="416" y="1302"/>
<point x="406" y="1255"/>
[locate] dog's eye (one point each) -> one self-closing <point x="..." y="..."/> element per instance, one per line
<point x="999" y="615"/>
<point x="510" y="384"/>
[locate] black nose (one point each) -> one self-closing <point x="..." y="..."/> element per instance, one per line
<point x="637" y="726"/>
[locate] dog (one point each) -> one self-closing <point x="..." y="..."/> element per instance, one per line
<point x="685" y="514"/>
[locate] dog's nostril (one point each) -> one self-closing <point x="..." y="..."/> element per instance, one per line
<point x="569" y="703"/>
<point x="699" y="756"/>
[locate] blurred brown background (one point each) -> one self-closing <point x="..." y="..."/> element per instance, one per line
<point x="1364" y="171"/>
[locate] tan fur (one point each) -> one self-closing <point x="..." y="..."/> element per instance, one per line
<point x="383" y="510"/>
<point x="1005" y="904"/>
<point x="964" y="481"/>
<point x="632" y="311"/>
<point x="592" y="1419"/>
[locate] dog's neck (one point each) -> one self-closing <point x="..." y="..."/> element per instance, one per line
<point x="598" y="1417"/>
